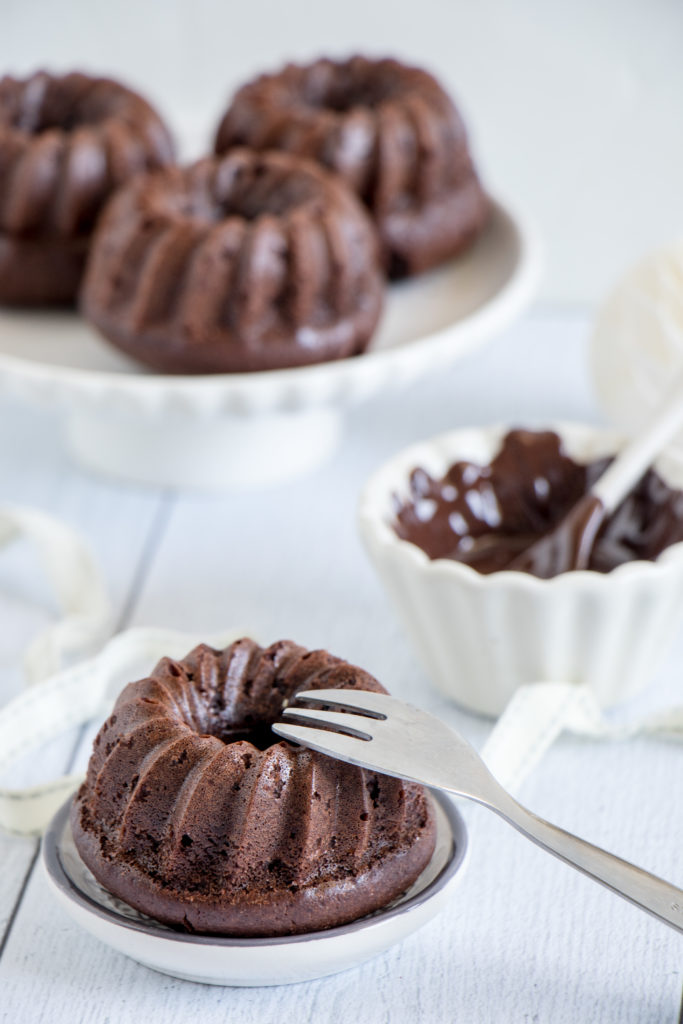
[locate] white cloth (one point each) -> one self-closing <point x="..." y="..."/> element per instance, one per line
<point x="73" y="697"/>
<point x="539" y="712"/>
<point x="77" y="584"/>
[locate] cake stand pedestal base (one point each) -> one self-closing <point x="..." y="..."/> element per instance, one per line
<point x="216" y="454"/>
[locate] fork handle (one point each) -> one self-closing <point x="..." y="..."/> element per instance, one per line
<point x="652" y="894"/>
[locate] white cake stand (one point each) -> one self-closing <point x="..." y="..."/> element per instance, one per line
<point x="254" y="429"/>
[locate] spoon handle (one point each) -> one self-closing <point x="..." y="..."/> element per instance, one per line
<point x="638" y="455"/>
<point x="652" y="894"/>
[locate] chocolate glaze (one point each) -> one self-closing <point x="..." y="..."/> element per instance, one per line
<point x="490" y="516"/>
<point x="568" y="545"/>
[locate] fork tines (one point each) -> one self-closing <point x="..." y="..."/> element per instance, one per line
<point x="364" y="702"/>
<point x="376" y="735"/>
<point x="333" y="721"/>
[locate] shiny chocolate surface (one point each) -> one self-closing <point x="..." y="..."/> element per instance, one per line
<point x="490" y="516"/>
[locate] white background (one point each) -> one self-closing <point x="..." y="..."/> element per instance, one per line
<point x="575" y="108"/>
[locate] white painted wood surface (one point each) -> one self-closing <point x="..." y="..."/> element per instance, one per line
<point x="525" y="939"/>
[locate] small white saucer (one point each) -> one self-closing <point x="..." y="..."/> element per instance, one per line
<point x="216" y="960"/>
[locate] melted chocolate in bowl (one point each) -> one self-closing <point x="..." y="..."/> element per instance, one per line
<point x="486" y="516"/>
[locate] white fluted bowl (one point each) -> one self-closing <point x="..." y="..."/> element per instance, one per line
<point x="480" y="637"/>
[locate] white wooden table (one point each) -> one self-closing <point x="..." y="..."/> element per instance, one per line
<point x="525" y="938"/>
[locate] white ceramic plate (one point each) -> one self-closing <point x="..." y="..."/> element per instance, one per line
<point x="253" y="428"/>
<point x="216" y="960"/>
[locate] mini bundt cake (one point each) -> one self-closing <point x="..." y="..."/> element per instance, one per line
<point x="194" y="813"/>
<point x="394" y="135"/>
<point x="66" y="142"/>
<point x="251" y="261"/>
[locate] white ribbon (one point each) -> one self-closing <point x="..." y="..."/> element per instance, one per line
<point x="539" y="712"/>
<point x="73" y="697"/>
<point x="60" y="698"/>
<point x="77" y="584"/>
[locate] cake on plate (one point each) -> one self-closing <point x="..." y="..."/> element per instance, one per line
<point x="194" y="812"/>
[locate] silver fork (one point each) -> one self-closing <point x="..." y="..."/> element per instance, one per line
<point x="395" y="738"/>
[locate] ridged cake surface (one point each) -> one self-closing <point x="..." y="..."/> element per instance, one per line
<point x="390" y="131"/>
<point x="66" y="143"/>
<point x="193" y="812"/>
<point x="251" y="261"/>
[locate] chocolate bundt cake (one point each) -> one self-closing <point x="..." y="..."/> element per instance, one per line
<point x="391" y="131"/>
<point x="66" y="142"/>
<point x="194" y="813"/>
<point x="251" y="261"/>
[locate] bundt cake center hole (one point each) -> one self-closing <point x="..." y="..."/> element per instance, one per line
<point x="54" y="108"/>
<point x="264" y="194"/>
<point x="344" y="93"/>
<point x="260" y="736"/>
<point x="248" y="196"/>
